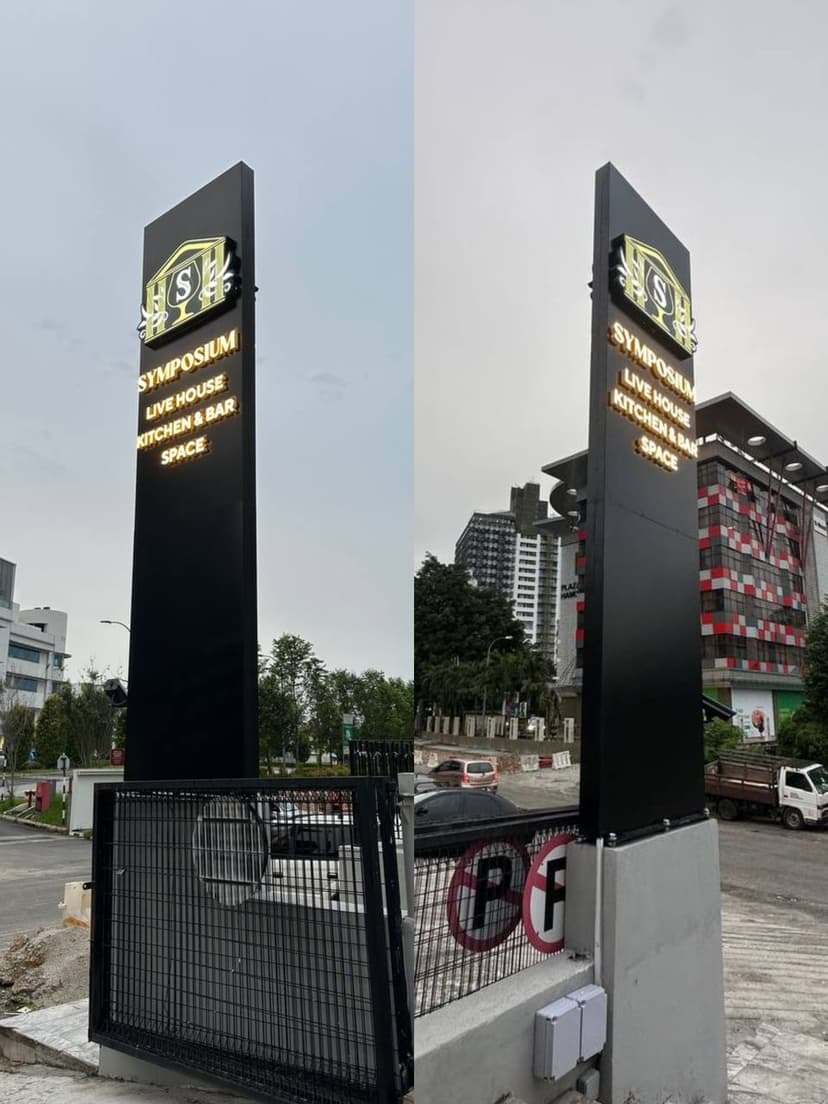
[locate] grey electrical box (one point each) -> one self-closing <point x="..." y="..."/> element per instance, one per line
<point x="557" y="1038"/>
<point x="592" y="1000"/>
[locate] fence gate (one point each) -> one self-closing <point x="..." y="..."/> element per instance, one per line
<point x="249" y="932"/>
<point x="387" y="758"/>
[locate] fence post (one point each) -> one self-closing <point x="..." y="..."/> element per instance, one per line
<point x="406" y="807"/>
<point x="366" y="801"/>
<point x="100" y="935"/>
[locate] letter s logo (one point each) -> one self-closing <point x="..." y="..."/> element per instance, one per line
<point x="183" y="286"/>
<point x="660" y="291"/>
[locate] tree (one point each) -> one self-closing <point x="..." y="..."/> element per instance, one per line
<point x="52" y="733"/>
<point x="18" y="736"/>
<point x="89" y="719"/>
<point x="325" y="724"/>
<point x="386" y="706"/>
<point x="119" y="728"/>
<point x="720" y="736"/>
<point x="455" y="621"/>
<point x="288" y="679"/>
<point x="805" y="734"/>
<point x="522" y="675"/>
<point x="816" y="669"/>
<point x="275" y="718"/>
<point x="803" y="737"/>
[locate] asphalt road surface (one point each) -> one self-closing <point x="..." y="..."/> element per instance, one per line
<point x="774" y="913"/>
<point x="34" y="866"/>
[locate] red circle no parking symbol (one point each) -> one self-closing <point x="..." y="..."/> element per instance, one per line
<point x="543" y="897"/>
<point x="485" y="894"/>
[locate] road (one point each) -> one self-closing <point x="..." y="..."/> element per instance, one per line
<point x="774" y="913"/>
<point x="34" y="866"/>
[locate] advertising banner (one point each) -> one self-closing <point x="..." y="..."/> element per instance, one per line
<point x="754" y="713"/>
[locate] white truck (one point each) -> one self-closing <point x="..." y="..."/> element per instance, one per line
<point x="794" y="791"/>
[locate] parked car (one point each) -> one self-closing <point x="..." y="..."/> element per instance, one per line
<point x="424" y="783"/>
<point x="460" y="804"/>
<point x="281" y="811"/>
<point x="312" y="837"/>
<point x="467" y="774"/>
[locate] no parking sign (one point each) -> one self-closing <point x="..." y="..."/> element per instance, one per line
<point x="485" y="894"/>
<point x="543" y="897"/>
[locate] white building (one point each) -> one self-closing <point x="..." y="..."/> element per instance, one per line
<point x="505" y="551"/>
<point x="32" y="646"/>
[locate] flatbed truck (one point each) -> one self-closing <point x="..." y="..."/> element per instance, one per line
<point x="744" y="783"/>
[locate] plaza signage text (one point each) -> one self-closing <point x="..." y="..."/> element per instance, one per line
<point x="667" y="422"/>
<point x="187" y="422"/>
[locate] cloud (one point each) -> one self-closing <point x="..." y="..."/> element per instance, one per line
<point x="331" y="386"/>
<point x="671" y="29"/>
<point x="35" y="463"/>
<point x="329" y="379"/>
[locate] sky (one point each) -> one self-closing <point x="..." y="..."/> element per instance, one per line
<point x="111" y="117"/>
<point x="714" y="112"/>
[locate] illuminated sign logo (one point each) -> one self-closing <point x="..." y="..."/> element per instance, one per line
<point x="197" y="279"/>
<point x="643" y="276"/>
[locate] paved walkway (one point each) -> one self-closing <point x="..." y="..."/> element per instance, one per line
<point x="43" y="1083"/>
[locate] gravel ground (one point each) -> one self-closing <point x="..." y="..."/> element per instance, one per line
<point x="47" y="967"/>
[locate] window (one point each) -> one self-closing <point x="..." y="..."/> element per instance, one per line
<point x="479" y="768"/>
<point x="798" y="781"/>
<point x="20" y="651"/>
<point x="23" y="682"/>
<point x="58" y="662"/>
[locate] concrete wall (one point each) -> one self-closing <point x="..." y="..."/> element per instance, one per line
<point x="82" y="791"/>
<point x="478" y="1049"/>
<point x="661" y="964"/>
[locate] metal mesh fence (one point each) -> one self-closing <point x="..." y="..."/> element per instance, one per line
<point x="484" y="910"/>
<point x="250" y="932"/>
<point x="386" y="758"/>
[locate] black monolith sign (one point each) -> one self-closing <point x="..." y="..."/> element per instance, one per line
<point x="642" y="750"/>
<point x="192" y="666"/>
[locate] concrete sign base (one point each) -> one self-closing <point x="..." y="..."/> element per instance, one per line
<point x="660" y="962"/>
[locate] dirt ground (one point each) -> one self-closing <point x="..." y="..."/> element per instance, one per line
<point x="49" y="966"/>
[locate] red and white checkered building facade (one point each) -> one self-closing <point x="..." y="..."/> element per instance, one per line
<point x="752" y="581"/>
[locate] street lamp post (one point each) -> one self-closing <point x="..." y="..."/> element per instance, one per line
<point x="486" y="674"/>
<point x="128" y="629"/>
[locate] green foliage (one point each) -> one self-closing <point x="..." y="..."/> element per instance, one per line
<point x="54" y="814"/>
<point x="803" y="737"/>
<point x="319" y="770"/>
<point x="52" y="733"/>
<point x="119" y="728"/>
<point x="454" y="621"/>
<point x="301" y="704"/>
<point x="816" y="669"/>
<point x="18" y="735"/>
<point x="385" y="705"/>
<point x="720" y="736"/>
<point x="88" y="714"/>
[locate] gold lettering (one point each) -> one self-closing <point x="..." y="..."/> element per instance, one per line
<point x="198" y="446"/>
<point x="202" y="355"/>
<point x="642" y="354"/>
